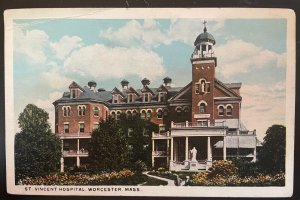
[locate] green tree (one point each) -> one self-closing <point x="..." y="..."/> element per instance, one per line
<point x="108" y="150"/>
<point x="271" y="157"/>
<point x="37" y="149"/>
<point x="139" y="137"/>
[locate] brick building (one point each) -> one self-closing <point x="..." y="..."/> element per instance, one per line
<point x="198" y="123"/>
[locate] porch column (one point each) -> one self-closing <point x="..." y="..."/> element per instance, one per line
<point x="224" y="148"/>
<point x="62" y="165"/>
<point x="209" y="155"/>
<point x="254" y="154"/>
<point x="78" y="159"/>
<point x="186" y="148"/>
<point x="168" y="147"/>
<point x="153" y="153"/>
<point x="172" y="150"/>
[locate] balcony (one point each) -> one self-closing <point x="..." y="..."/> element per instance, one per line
<point x="161" y="135"/>
<point x="74" y="135"/>
<point x="74" y="153"/>
<point x="197" y="125"/>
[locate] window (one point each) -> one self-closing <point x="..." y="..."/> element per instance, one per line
<point x="96" y="111"/>
<point x="221" y="110"/>
<point x="229" y="110"/>
<point x="134" y="113"/>
<point x="113" y="115"/>
<point x="73" y="93"/>
<point x="81" y="110"/>
<point x="129" y="114"/>
<point x="81" y="127"/>
<point x="207" y="87"/>
<point x="186" y="109"/>
<point x="146" y="97"/>
<point x="202" y="87"/>
<point x="143" y="114"/>
<point x="130" y="98"/>
<point x="202" y="108"/>
<point x="161" y="96"/>
<point x="130" y="132"/>
<point x="66" y="128"/>
<point x="118" y="115"/>
<point x="159" y="114"/>
<point x="115" y="98"/>
<point x="149" y="114"/>
<point x="95" y="126"/>
<point x="197" y="88"/>
<point x="178" y="111"/>
<point x="66" y="111"/>
<point x="66" y="145"/>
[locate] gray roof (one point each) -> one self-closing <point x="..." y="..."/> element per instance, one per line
<point x="241" y="141"/>
<point x="233" y="85"/>
<point x="204" y="37"/>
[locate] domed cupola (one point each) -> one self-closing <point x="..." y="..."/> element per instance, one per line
<point x="203" y="45"/>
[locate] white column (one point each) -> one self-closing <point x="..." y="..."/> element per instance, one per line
<point x="77" y="161"/>
<point x="254" y="153"/>
<point x="186" y="148"/>
<point x="62" y="164"/>
<point x="168" y="147"/>
<point x="209" y="155"/>
<point x="77" y="146"/>
<point x="152" y="152"/>
<point x="224" y="148"/>
<point x="186" y="124"/>
<point x="172" y="150"/>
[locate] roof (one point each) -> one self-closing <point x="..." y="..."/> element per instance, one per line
<point x="241" y="141"/>
<point x="233" y="85"/>
<point x="204" y="37"/>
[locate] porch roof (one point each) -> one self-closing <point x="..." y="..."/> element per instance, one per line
<point x="242" y="141"/>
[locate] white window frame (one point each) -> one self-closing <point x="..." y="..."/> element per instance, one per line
<point x="80" y="123"/>
<point x="227" y="106"/>
<point x="94" y="109"/>
<point x="219" y="109"/>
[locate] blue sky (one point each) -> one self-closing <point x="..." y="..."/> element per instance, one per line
<point x="50" y="53"/>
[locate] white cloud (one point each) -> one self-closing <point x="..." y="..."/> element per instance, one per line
<point x="56" y="79"/>
<point x="238" y="57"/>
<point x="31" y="44"/>
<point x="134" y="33"/>
<point x="65" y="45"/>
<point x="100" y="61"/>
<point x="150" y="34"/>
<point x="259" y="112"/>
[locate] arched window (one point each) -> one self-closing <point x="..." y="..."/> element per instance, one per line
<point x="186" y="109"/>
<point x="221" y="110"/>
<point x="143" y="114"/>
<point x="229" y="110"/>
<point x="128" y="114"/>
<point x="159" y="114"/>
<point x="134" y="113"/>
<point x="81" y="110"/>
<point x="113" y="115"/>
<point x="166" y="112"/>
<point x="118" y="115"/>
<point x="96" y="111"/>
<point x="202" y="108"/>
<point x="149" y="114"/>
<point x="66" y="111"/>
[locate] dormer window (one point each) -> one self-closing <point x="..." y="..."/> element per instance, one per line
<point x="130" y="98"/>
<point x="161" y="96"/>
<point x="146" y="97"/>
<point x="115" y="98"/>
<point x="73" y="93"/>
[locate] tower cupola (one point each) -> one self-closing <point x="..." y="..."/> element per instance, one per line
<point x="203" y="46"/>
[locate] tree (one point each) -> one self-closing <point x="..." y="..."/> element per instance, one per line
<point x="108" y="150"/>
<point x="139" y="137"/>
<point x="272" y="154"/>
<point x="37" y="149"/>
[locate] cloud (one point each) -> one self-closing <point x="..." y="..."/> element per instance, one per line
<point x="263" y="106"/>
<point x="56" y="78"/>
<point x="32" y="45"/>
<point x="133" y="33"/>
<point x="102" y="62"/>
<point x="238" y="57"/>
<point x="150" y="34"/>
<point x="65" y="45"/>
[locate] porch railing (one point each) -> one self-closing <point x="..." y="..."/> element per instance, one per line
<point x="197" y="124"/>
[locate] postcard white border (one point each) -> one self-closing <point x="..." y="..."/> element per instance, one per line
<point x="161" y="13"/>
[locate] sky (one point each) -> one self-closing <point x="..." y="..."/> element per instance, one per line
<point x="51" y="53"/>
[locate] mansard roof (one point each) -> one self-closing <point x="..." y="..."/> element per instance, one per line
<point x="147" y="89"/>
<point x="117" y="91"/>
<point x="132" y="90"/>
<point x="75" y="85"/>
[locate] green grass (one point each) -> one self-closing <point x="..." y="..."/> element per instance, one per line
<point x="154" y="182"/>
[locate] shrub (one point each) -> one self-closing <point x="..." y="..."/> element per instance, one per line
<point x="222" y="169"/>
<point x="139" y="167"/>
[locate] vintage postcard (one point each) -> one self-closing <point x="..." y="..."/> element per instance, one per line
<point x="150" y="102"/>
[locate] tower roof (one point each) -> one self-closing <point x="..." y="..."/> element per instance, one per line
<point x="205" y="37"/>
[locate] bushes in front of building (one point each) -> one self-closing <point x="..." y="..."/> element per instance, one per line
<point x="123" y="177"/>
<point x="225" y="173"/>
<point x="162" y="172"/>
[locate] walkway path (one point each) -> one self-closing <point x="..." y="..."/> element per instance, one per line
<point x="170" y="182"/>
